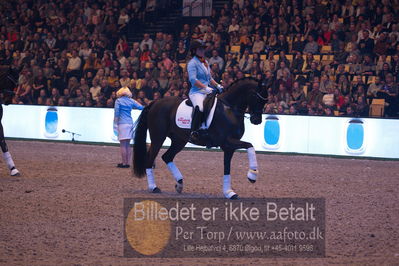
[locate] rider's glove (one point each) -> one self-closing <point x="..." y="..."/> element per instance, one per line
<point x="208" y="90"/>
<point x="220" y="88"/>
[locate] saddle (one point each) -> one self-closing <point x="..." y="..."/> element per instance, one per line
<point x="208" y="104"/>
<point x="185" y="110"/>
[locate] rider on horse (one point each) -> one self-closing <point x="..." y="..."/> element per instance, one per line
<point x="200" y="78"/>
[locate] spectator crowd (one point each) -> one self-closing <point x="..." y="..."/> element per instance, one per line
<point x="314" y="57"/>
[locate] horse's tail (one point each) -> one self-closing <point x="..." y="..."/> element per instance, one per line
<point x="140" y="145"/>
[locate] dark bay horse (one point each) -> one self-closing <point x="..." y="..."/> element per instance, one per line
<point x="8" y="81"/>
<point x="226" y="130"/>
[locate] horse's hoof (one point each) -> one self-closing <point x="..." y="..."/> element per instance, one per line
<point x="179" y="186"/>
<point x="156" y="190"/>
<point x="235" y="197"/>
<point x="230" y="194"/>
<point x="15" y="172"/>
<point x="252" y="181"/>
<point x="252" y="175"/>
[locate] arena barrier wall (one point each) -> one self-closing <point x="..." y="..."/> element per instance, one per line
<point x="339" y="136"/>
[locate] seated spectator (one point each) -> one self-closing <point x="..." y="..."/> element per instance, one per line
<point x="167" y="62"/>
<point x="389" y="92"/>
<point x="141" y="98"/>
<point x="282" y="44"/>
<point x="272" y="43"/>
<point x="303" y="108"/>
<point x="95" y="90"/>
<point x="366" y="44"/>
<point x="125" y="79"/>
<point x="384" y="72"/>
<point x="343" y="85"/>
<point x="361" y="107"/>
<point x="258" y="45"/>
<point x="313" y="71"/>
<point x="216" y="59"/>
<point x="315" y="96"/>
<point x="234" y="27"/>
<point x="283" y="95"/>
<point x="85" y="51"/>
<point x="146" y="41"/>
<point x="39" y="83"/>
<point x="231" y="61"/>
<point x="181" y="52"/>
<point x="255" y="69"/>
<point x="381" y="45"/>
<point x="374" y="88"/>
<point x="297" y="95"/>
<point x="349" y="111"/>
<point x="283" y="58"/>
<point x="368" y="68"/>
<point x="74" y="64"/>
<point x="298" y="44"/>
<point x="106" y="90"/>
<point x="311" y="46"/>
<point x="340" y="55"/>
<point x="245" y="62"/>
<point x="357" y="85"/>
<point x="325" y="35"/>
<point x="292" y="110"/>
<point x="123" y="21"/>
<point x="122" y="60"/>
<point x="282" y="68"/>
<point x="79" y="99"/>
<point x="145" y="54"/>
<point x="245" y="40"/>
<point x="297" y="63"/>
<point x="326" y="85"/>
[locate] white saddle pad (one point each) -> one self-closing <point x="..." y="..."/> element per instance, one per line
<point x="184" y="112"/>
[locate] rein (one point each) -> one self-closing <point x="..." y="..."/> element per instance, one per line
<point x="261" y="97"/>
<point x="232" y="107"/>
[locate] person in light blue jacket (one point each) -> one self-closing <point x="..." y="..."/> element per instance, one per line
<point x="123" y="123"/>
<point x="200" y="77"/>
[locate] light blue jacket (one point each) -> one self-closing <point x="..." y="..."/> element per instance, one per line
<point x="197" y="71"/>
<point x="123" y="110"/>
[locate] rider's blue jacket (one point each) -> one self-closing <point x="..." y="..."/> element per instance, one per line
<point x="198" y="71"/>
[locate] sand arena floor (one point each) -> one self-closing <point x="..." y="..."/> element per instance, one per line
<point x="67" y="207"/>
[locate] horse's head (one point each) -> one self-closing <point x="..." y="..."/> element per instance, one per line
<point x="247" y="93"/>
<point x="257" y="98"/>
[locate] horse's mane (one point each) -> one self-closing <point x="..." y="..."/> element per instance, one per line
<point x="241" y="80"/>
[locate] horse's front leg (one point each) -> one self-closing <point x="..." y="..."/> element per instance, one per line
<point x="253" y="163"/>
<point x="229" y="147"/>
<point x="227" y="190"/>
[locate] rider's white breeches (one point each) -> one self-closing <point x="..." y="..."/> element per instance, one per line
<point x="198" y="100"/>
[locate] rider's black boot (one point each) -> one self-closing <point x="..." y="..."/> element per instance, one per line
<point x="195" y="124"/>
<point x="199" y="135"/>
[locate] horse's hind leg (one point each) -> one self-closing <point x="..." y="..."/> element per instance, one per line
<point x="151" y="155"/>
<point x="176" y="146"/>
<point x="6" y="154"/>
